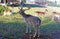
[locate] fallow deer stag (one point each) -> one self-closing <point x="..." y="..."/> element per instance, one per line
<point x="31" y="21"/>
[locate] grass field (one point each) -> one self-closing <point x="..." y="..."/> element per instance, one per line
<point x="15" y="28"/>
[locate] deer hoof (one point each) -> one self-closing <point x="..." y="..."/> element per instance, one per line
<point x="34" y="35"/>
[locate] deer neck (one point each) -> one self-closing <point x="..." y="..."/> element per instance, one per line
<point x="24" y="15"/>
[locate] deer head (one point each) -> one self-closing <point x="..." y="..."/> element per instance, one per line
<point x="21" y="10"/>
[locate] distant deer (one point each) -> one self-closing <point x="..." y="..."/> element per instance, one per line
<point x="31" y="21"/>
<point x="39" y="13"/>
<point x="56" y="16"/>
<point x="7" y="12"/>
<point x="42" y="14"/>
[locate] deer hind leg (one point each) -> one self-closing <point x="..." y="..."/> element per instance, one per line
<point x="37" y="30"/>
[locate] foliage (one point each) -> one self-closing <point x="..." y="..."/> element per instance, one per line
<point x="2" y="8"/>
<point x="24" y="1"/>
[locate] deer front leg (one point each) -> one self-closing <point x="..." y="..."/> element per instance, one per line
<point x="27" y="28"/>
<point x="30" y="28"/>
<point x="38" y="31"/>
<point x="35" y="33"/>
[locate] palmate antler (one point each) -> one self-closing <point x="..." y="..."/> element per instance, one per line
<point x="27" y="8"/>
<point x="21" y="8"/>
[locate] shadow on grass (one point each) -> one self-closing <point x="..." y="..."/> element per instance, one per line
<point x="16" y="30"/>
<point x="52" y="30"/>
<point x="12" y="30"/>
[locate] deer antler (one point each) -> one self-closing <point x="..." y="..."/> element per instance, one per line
<point x="28" y="8"/>
<point x="24" y="9"/>
<point x="20" y="8"/>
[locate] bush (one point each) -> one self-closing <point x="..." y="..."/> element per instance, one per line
<point x="2" y="8"/>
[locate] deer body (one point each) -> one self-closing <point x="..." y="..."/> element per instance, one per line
<point x="31" y="21"/>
